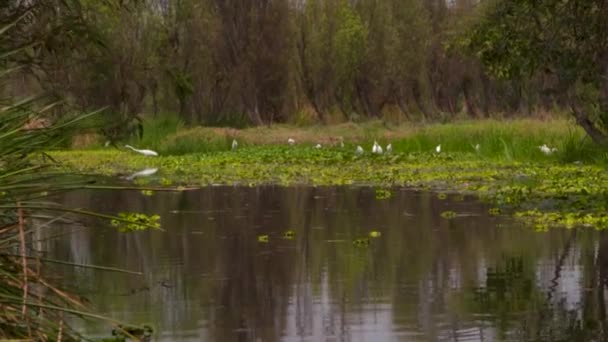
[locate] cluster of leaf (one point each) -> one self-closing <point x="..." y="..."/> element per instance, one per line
<point x="383" y="194"/>
<point x="565" y="40"/>
<point x="544" y="220"/>
<point x="549" y="186"/>
<point x="131" y="222"/>
<point x="518" y="37"/>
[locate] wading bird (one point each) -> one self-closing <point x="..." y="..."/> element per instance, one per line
<point x="143" y="173"/>
<point x="438" y="148"/>
<point x="291" y="141"/>
<point x="234" y="144"/>
<point x="318" y="146"/>
<point x="148" y="153"/>
<point x="389" y="148"/>
<point x="546" y="149"/>
<point x="477" y="147"/>
<point x="359" y="150"/>
<point x="377" y="148"/>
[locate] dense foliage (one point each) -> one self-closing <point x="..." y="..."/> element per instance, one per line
<point x="236" y="62"/>
<point x="565" y="42"/>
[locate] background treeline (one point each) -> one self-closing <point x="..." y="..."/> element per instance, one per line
<point x="239" y="62"/>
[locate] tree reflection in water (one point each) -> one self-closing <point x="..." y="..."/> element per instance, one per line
<point x="426" y="278"/>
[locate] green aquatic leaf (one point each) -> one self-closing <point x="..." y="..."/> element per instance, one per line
<point x="448" y="214"/>
<point x="263" y="238"/>
<point x="130" y="222"/>
<point x="362" y="242"/>
<point x="375" y="234"/>
<point x="512" y="185"/>
<point x="382" y="194"/>
<point x="494" y="211"/>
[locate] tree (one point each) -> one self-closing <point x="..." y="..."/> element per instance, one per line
<point x="518" y="39"/>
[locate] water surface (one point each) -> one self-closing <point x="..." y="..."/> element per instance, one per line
<point x="207" y="277"/>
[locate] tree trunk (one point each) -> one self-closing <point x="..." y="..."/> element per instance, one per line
<point x="583" y="120"/>
<point x="417" y="94"/>
<point x="604" y="83"/>
<point x="467" y="84"/>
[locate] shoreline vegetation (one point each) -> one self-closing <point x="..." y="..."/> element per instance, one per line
<point x="568" y="187"/>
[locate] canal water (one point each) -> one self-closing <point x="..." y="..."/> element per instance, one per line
<point x="331" y="264"/>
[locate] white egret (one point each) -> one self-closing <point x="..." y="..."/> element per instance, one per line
<point x="290" y="141"/>
<point x="379" y="149"/>
<point x="438" y="148"/>
<point x="234" y="144"/>
<point x="477" y="147"/>
<point x="143" y="173"/>
<point x="375" y="147"/>
<point x="148" y="153"/>
<point x="318" y="146"/>
<point x="107" y="143"/>
<point x="546" y="149"/>
<point x="389" y="148"/>
<point x="359" y="150"/>
<point x="341" y="144"/>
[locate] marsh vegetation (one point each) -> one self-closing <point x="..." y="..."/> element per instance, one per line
<point x="490" y="113"/>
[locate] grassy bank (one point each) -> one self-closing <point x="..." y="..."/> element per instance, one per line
<point x="502" y="140"/>
<point x="568" y="187"/>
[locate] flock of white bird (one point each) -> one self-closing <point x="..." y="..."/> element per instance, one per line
<point x="376" y="148"/>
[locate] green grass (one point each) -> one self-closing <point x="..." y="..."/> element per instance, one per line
<point x="509" y="170"/>
<point x="196" y="140"/>
<point x="512" y="140"/>
<point x="157" y="130"/>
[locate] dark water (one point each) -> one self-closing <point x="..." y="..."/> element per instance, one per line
<point x="426" y="278"/>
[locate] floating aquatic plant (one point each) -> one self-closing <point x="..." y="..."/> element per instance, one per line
<point x="263" y="238"/>
<point x="289" y="234"/>
<point x="509" y="184"/>
<point x="131" y="222"/>
<point x="494" y="211"/>
<point x="448" y="214"/>
<point x="166" y="181"/>
<point x="361" y="242"/>
<point x="375" y="234"/>
<point x="382" y="194"/>
<point x="442" y="196"/>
